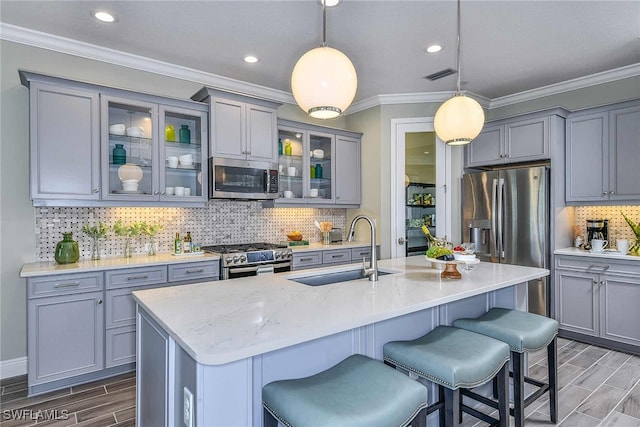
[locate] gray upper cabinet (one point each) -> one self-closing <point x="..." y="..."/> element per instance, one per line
<point x="347" y="170"/>
<point x="602" y="152"/>
<point x="515" y="140"/>
<point x="242" y="127"/>
<point x="64" y="143"/>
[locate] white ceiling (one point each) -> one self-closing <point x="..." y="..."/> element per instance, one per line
<point x="508" y="46"/>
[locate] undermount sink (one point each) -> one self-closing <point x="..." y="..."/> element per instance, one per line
<point x="322" y="279"/>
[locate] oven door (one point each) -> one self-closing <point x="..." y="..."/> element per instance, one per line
<point x="255" y="270"/>
<point x="239" y="179"/>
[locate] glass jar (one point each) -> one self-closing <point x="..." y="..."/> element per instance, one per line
<point x="170" y="133"/>
<point x="287" y="148"/>
<point x="67" y="251"/>
<point x="318" y="171"/>
<point x="184" y="134"/>
<point x="119" y="155"/>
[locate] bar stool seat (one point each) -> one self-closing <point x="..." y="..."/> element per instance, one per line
<point x="524" y="332"/>
<point x="454" y="359"/>
<point x="357" y="392"/>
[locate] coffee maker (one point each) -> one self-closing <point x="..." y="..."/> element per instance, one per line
<point x="597" y="229"/>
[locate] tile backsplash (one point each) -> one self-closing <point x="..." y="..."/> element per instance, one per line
<point x="618" y="227"/>
<point x="221" y="222"/>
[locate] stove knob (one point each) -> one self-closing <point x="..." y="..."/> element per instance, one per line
<point x="289" y="254"/>
<point x="277" y="254"/>
<point x="228" y="260"/>
<point x="235" y="259"/>
<point x="243" y="258"/>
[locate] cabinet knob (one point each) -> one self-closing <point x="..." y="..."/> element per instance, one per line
<point x="248" y="152"/>
<point x="604" y="193"/>
<point x="99" y="301"/>
<point x="611" y="193"/>
<point x="95" y="190"/>
<point x="156" y="192"/>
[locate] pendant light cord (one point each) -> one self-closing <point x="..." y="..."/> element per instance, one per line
<point x="458" y="47"/>
<point x="324" y="23"/>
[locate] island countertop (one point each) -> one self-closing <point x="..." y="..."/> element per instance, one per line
<point x="222" y="322"/>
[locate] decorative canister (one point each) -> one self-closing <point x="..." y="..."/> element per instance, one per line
<point x="67" y="250"/>
<point x="119" y="155"/>
<point x="170" y="133"/>
<point x="184" y="134"/>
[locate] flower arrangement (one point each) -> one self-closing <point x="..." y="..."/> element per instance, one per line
<point x="151" y="230"/>
<point x="128" y="231"/>
<point x="96" y="232"/>
<point x="634" y="249"/>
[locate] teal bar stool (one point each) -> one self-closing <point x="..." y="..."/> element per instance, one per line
<point x="357" y="392"/>
<point x="524" y="332"/>
<point x="455" y="359"/>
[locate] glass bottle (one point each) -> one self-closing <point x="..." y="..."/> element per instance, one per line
<point x="280" y="146"/>
<point x="95" y="249"/>
<point x="152" y="246"/>
<point x="67" y="250"/>
<point x="318" y="171"/>
<point x="287" y="148"/>
<point x="312" y="172"/>
<point x="177" y="245"/>
<point x="119" y="155"/>
<point x="186" y="245"/>
<point x="170" y="133"/>
<point x="185" y="134"/>
<point x="128" y="249"/>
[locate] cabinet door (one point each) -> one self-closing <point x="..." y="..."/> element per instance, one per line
<point x="624" y="153"/>
<point x="620" y="317"/>
<point x="578" y="306"/>
<point x="65" y="143"/>
<point x="228" y="129"/>
<point x="527" y="140"/>
<point x="120" y="346"/>
<point x="486" y="148"/>
<point x="262" y="133"/>
<point x="322" y="152"/>
<point x="66" y="336"/>
<point x="191" y="154"/>
<point x="139" y="140"/>
<point x="152" y="376"/>
<point x="587" y="158"/>
<point x="347" y="171"/>
<point x="292" y="164"/>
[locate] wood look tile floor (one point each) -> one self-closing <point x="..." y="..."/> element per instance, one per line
<point x="598" y="387"/>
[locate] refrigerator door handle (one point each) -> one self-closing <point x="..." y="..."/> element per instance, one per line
<point x="494" y="228"/>
<point x="500" y="237"/>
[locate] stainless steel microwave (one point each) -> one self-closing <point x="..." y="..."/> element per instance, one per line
<point x="242" y="179"/>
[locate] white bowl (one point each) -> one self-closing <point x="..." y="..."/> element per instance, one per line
<point x="318" y="154"/>
<point x="464" y="257"/>
<point x="130" y="185"/>
<point x="117" y="129"/>
<point x="172" y="162"/>
<point x="186" y="159"/>
<point x="136" y="131"/>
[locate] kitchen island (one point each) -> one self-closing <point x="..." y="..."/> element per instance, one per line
<point x="222" y="341"/>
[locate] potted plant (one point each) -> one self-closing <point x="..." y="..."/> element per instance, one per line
<point x="128" y="232"/>
<point x="96" y="232"/>
<point x="151" y="230"/>
<point x="634" y="249"/>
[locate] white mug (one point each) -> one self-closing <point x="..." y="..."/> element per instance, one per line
<point x="622" y="245"/>
<point x="187" y="191"/>
<point x="598" y="245"/>
<point x="179" y="191"/>
<point x="172" y="161"/>
<point x="280" y="169"/>
<point x="313" y="192"/>
<point x="292" y="171"/>
<point x="288" y="194"/>
<point x="169" y="191"/>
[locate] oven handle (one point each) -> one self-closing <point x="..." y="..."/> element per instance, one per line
<point x="259" y="269"/>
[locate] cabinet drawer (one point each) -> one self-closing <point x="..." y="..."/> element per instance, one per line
<point x="120" y="346"/>
<point x="307" y="260"/>
<point x="358" y="253"/>
<point x="339" y="256"/>
<point x="64" y="284"/>
<point x="136" y="276"/>
<point x="598" y="265"/>
<point x="194" y="270"/>
<point x="120" y="306"/>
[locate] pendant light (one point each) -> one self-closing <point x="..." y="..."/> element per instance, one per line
<point x="460" y="119"/>
<point x="324" y="80"/>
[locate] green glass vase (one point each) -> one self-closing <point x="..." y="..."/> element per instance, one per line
<point x="67" y="251"/>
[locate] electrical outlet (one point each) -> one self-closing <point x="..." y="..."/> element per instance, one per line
<point x="188" y="408"/>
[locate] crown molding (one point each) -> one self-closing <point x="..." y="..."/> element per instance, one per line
<point x="42" y="40"/>
<point x="569" y="85"/>
<point x="98" y="53"/>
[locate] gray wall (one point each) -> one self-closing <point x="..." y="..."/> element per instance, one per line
<point x="17" y="235"/>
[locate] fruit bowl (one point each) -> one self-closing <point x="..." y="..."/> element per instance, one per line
<point x="296" y="237"/>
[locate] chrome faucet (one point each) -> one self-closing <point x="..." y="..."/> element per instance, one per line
<point x="372" y="271"/>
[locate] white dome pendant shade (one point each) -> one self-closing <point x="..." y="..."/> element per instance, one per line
<point x="459" y="120"/>
<point x="324" y="82"/>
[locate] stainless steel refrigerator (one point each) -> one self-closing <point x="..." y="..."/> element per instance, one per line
<point x="506" y="214"/>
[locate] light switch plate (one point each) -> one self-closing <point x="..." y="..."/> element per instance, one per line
<point x="188" y="408"/>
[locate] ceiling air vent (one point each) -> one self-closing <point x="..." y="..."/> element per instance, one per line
<point x="440" y="74"/>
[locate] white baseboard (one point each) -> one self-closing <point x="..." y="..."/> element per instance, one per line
<point x="13" y="367"/>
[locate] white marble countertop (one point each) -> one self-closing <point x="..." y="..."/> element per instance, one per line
<point x="607" y="254"/>
<point x="221" y="322"/>
<point x="46" y="268"/>
<point x="319" y="246"/>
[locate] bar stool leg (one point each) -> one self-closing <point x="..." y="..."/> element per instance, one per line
<point x="421" y="419"/>
<point x="451" y="406"/>
<point x="552" y="359"/>
<point x="518" y="388"/>
<point x="502" y="384"/>
<point x="441" y="398"/>
<point x="268" y="420"/>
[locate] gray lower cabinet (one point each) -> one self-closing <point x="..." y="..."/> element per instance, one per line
<point x="82" y="327"/>
<point x="336" y="256"/>
<point x="598" y="300"/>
<point x="305" y="260"/>
<point x="518" y="139"/>
<point x="603" y="145"/>
<point x="65" y="327"/>
<point x="314" y="259"/>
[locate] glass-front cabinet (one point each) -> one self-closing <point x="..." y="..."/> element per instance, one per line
<point x="305" y="166"/>
<point x="152" y="152"/>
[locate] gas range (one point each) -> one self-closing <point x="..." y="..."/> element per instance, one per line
<point x="250" y="259"/>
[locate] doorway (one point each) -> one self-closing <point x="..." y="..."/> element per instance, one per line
<point x="420" y="165"/>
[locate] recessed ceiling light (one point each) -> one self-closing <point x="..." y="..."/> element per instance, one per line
<point x="250" y="59"/>
<point x="103" y="16"/>
<point x="433" y="48"/>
